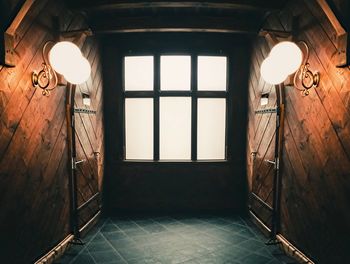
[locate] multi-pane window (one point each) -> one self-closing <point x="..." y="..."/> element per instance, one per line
<point x="175" y="107"/>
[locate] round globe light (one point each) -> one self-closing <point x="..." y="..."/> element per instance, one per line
<point x="61" y="54"/>
<point x="271" y="72"/>
<point x="79" y="71"/>
<point x="287" y="55"/>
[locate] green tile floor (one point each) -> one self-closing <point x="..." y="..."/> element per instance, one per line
<point x="181" y="239"/>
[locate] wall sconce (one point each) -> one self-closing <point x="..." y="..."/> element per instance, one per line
<point x="64" y="58"/>
<point x="287" y="58"/>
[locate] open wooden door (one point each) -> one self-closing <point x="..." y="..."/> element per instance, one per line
<point x="265" y="194"/>
<point x="85" y="164"/>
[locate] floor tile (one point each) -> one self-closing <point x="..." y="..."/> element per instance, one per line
<point x="174" y="239"/>
<point x="109" y="256"/>
<point x="84" y="258"/>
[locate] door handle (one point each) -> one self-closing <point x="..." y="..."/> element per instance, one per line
<point x="270" y="161"/>
<point x="79" y="161"/>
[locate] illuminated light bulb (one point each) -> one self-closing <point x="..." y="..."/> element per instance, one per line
<point x="287" y="55"/>
<point x="61" y="55"/>
<point x="79" y="71"/>
<point x="271" y="72"/>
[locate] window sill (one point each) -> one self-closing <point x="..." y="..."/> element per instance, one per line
<point x="174" y="161"/>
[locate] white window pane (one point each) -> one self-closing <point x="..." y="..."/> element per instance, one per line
<point x="212" y="73"/>
<point x="175" y="72"/>
<point x="138" y="73"/>
<point x="139" y="128"/>
<point x="175" y="128"/>
<point x="211" y="128"/>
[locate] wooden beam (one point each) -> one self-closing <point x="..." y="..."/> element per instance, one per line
<point x="341" y="34"/>
<point x="184" y="30"/>
<point x="174" y="24"/>
<point x="9" y="56"/>
<point x="233" y="5"/>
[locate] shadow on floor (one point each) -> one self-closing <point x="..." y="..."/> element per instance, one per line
<point x="180" y="239"/>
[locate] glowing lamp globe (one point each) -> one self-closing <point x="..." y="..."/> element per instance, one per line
<point x="287" y="55"/>
<point x="61" y="55"/>
<point x="79" y="71"/>
<point x="271" y="72"/>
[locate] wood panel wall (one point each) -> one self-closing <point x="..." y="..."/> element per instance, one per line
<point x="316" y="157"/>
<point x="34" y="194"/>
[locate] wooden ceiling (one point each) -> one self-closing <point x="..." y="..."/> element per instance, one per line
<point x="235" y="16"/>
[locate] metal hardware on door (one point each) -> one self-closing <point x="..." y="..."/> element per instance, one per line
<point x="84" y="111"/>
<point x="79" y="161"/>
<point x="266" y="111"/>
<point x="270" y="161"/>
<point x="253" y="155"/>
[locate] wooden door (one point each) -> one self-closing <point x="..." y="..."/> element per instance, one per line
<point x="87" y="169"/>
<point x="84" y="152"/>
<point x="264" y="199"/>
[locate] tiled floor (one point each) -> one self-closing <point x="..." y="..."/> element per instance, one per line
<point x="206" y="239"/>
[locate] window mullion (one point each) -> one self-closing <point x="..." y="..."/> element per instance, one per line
<point x="194" y="107"/>
<point x="156" y="73"/>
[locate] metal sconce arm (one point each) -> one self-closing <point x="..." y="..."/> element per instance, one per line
<point x="43" y="78"/>
<point x="303" y="77"/>
<point x="307" y="78"/>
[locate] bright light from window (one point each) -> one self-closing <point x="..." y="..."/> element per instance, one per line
<point x="212" y="73"/>
<point x="139" y="128"/>
<point x="175" y="73"/>
<point x="138" y="73"/>
<point x="211" y="128"/>
<point x="175" y="128"/>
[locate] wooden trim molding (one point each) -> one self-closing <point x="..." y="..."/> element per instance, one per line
<point x="287" y="247"/>
<point x="56" y="252"/>
<point x="340" y="34"/>
<point x="292" y="251"/>
<point x="9" y="57"/>
<point x="230" y="5"/>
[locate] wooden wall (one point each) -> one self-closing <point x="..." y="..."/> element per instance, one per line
<point x="34" y="195"/>
<point x="316" y="157"/>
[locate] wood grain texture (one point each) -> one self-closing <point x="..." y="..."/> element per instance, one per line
<point x="34" y="194"/>
<point x="316" y="161"/>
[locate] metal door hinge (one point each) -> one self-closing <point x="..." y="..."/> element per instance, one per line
<point x="266" y="111"/>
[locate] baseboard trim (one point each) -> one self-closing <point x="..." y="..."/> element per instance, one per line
<point x="56" y="252"/>
<point x="287" y="247"/>
<point x="292" y="251"/>
<point x="61" y="248"/>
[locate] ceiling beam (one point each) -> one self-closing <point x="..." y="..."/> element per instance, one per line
<point x="173" y="24"/>
<point x="253" y="5"/>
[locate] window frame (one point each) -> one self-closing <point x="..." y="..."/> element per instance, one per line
<point x="193" y="93"/>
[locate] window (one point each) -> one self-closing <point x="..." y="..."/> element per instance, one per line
<point x="139" y="128"/>
<point x="175" y="107"/>
<point x="175" y="128"/>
